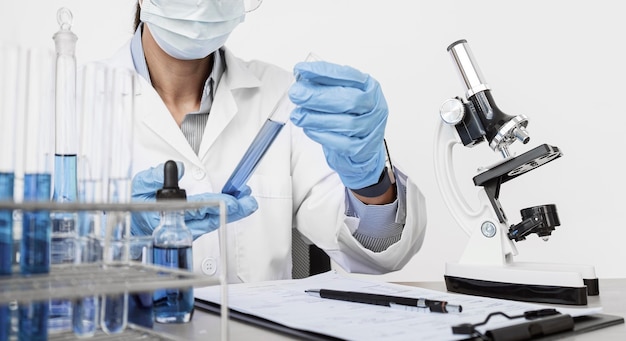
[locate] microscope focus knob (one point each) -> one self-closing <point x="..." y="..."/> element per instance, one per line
<point x="452" y="111"/>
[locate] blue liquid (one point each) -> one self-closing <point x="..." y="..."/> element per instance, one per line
<point x="252" y="157"/>
<point x="35" y="255"/>
<point x="140" y="309"/>
<point x="173" y="305"/>
<point x="6" y="247"/>
<point x="85" y="316"/>
<point x="36" y="227"/>
<point x="114" y="310"/>
<point x="140" y="304"/>
<point x="64" y="223"/>
<point x="65" y="180"/>
<point x="33" y="325"/>
<point x="62" y="247"/>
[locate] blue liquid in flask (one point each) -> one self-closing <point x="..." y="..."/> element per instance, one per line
<point x="173" y="305"/>
<point x="35" y="255"/>
<point x="6" y="247"/>
<point x="252" y="157"/>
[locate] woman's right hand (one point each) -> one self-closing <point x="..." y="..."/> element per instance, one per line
<point x="200" y="220"/>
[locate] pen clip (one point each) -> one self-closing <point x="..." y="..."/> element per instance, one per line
<point x="408" y="307"/>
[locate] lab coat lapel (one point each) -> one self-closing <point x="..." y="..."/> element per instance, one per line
<point x="151" y="111"/>
<point x="157" y="118"/>
<point x="225" y="107"/>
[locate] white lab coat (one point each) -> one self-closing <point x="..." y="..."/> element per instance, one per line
<point x="293" y="184"/>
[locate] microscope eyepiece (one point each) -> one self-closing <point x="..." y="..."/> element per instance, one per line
<point x="469" y="72"/>
<point x="500" y="129"/>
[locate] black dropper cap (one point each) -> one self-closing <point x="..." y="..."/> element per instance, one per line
<point x="170" y="190"/>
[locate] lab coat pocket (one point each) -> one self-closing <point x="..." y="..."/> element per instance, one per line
<point x="263" y="240"/>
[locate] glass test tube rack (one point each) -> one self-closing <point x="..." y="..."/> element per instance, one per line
<point x="71" y="281"/>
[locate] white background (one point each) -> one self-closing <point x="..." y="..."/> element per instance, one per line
<point x="561" y="63"/>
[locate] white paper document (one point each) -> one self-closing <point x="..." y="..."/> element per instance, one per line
<point x="286" y="303"/>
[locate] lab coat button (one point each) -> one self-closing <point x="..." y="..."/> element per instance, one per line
<point x="198" y="173"/>
<point x="209" y="266"/>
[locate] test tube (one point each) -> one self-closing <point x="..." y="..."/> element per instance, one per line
<point x="37" y="166"/>
<point x="92" y="156"/>
<point x="63" y="249"/>
<point x="257" y="149"/>
<point x="114" y="308"/>
<point x="261" y="143"/>
<point x="140" y="310"/>
<point x="10" y="67"/>
<point x="121" y="147"/>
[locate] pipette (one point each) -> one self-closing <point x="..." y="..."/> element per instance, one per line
<point x="261" y="143"/>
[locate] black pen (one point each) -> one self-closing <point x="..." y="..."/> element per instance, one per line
<point x="405" y="303"/>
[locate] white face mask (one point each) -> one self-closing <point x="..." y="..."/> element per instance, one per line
<point x="191" y="29"/>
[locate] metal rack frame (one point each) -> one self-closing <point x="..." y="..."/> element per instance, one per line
<point x="82" y="280"/>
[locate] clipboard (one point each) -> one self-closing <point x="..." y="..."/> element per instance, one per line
<point x="582" y="324"/>
<point x="214" y="308"/>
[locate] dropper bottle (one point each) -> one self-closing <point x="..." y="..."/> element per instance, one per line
<point x="172" y="248"/>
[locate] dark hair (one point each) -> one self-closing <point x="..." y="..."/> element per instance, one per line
<point x="137" y="15"/>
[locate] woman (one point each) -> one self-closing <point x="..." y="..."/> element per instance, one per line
<point x="324" y="174"/>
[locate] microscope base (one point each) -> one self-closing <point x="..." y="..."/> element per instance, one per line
<point x="529" y="285"/>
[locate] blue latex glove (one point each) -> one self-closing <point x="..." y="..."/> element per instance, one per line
<point x="199" y="221"/>
<point x="345" y="111"/>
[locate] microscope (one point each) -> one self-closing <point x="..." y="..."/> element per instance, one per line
<point x="487" y="266"/>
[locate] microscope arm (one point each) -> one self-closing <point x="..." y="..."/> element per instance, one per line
<point x="489" y="243"/>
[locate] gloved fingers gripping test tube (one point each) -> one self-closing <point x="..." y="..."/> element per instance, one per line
<point x="261" y="143"/>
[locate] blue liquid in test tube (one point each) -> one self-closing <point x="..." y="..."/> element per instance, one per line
<point x="114" y="310"/>
<point x="35" y="255"/>
<point x="261" y="143"/>
<point x="35" y="249"/>
<point x="85" y="310"/>
<point x="6" y="247"/>
<point x="62" y="247"/>
<point x="114" y="307"/>
<point x="85" y="316"/>
<point x="252" y="157"/>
